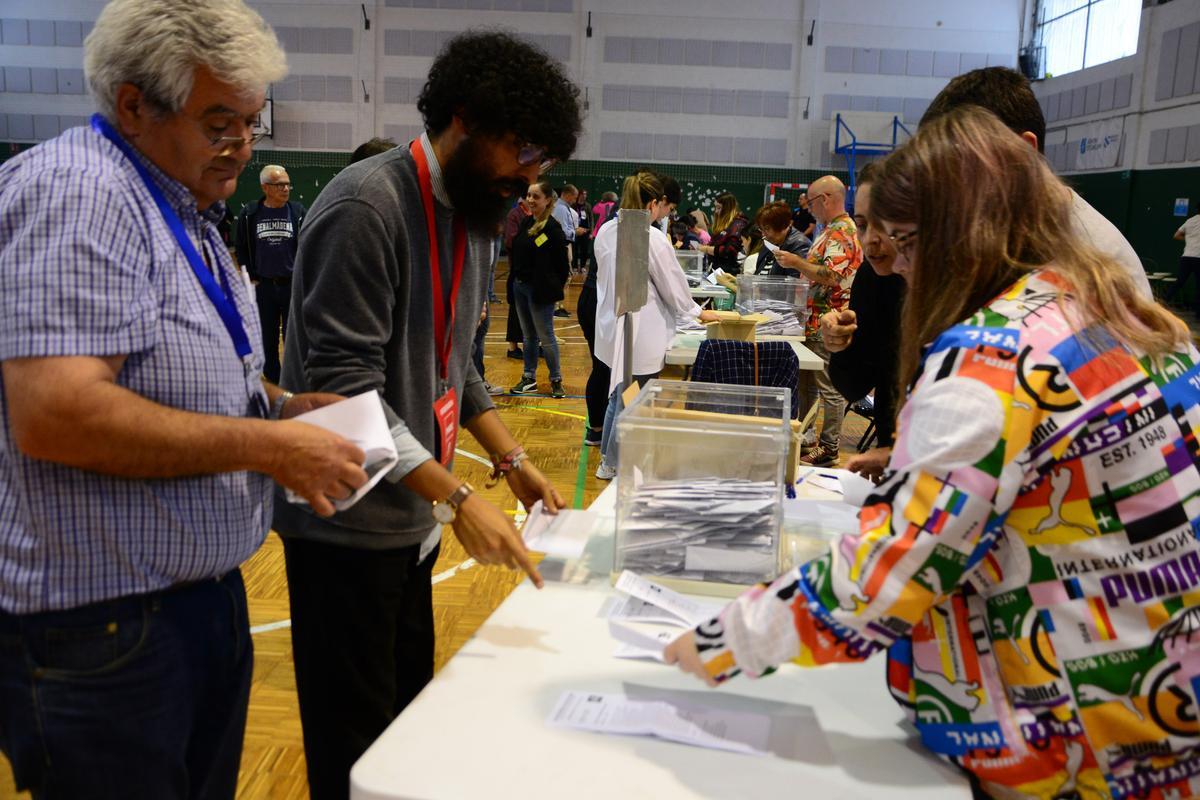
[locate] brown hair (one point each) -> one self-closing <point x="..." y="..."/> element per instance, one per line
<point x="988" y="210"/>
<point x="776" y="216"/>
<point x="729" y="210"/>
<point x="640" y="189"/>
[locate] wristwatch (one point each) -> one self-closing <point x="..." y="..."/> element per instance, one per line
<point x="446" y="511"/>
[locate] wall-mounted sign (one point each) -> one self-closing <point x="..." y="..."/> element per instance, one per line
<point x="1100" y="145"/>
<point x="1181" y="206"/>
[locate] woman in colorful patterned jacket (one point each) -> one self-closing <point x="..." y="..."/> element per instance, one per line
<point x="1030" y="561"/>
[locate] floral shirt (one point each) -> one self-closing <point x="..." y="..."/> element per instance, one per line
<point x="1030" y="562"/>
<point x="838" y="249"/>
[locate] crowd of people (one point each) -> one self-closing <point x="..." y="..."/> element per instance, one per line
<point x="1027" y="560"/>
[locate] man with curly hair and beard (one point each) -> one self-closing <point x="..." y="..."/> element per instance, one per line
<point x="387" y="287"/>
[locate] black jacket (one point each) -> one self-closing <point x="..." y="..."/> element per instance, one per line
<point x="544" y="265"/>
<point x="872" y="361"/>
<point x="243" y="237"/>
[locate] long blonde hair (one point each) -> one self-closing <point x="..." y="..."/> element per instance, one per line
<point x="729" y="210"/>
<point x="640" y="189"/>
<point x="989" y="210"/>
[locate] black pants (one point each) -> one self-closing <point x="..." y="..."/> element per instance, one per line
<point x="1188" y="266"/>
<point x="596" y="391"/>
<point x="362" y="639"/>
<point x="512" y="334"/>
<point x="273" y="296"/>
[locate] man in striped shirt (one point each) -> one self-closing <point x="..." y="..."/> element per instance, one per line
<point x="139" y="440"/>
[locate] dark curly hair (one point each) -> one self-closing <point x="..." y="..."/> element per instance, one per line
<point x="499" y="85"/>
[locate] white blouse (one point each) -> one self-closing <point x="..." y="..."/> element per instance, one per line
<point x="668" y="297"/>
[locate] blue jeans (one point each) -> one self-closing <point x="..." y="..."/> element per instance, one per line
<point x="608" y="437"/>
<point x="481" y="332"/>
<point x="537" y="327"/>
<point x="138" y="697"/>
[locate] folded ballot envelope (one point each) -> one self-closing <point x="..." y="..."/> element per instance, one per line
<point x="359" y="419"/>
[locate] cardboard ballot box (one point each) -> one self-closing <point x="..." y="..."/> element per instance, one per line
<point x="732" y="325"/>
<point x="700" y="484"/>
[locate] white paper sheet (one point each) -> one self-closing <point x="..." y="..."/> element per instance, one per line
<point x="712" y="728"/>
<point x="774" y="248"/>
<point x="646" y="638"/>
<point x="689" y="611"/>
<point x="562" y="535"/>
<point x="359" y="419"/>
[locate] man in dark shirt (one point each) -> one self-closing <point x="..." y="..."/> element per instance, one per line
<point x="802" y="218"/>
<point x="267" y="233"/>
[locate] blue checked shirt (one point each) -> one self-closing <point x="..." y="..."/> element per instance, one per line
<point x="88" y="267"/>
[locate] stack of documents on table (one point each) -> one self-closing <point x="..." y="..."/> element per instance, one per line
<point x="704" y="529"/>
<point x="359" y="419"/>
<point x="699" y="726"/>
<point x="646" y="616"/>
<point x="779" y="318"/>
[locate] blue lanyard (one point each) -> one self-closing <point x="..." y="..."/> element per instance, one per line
<point x="220" y="296"/>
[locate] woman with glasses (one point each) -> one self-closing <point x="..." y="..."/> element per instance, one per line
<point x="730" y="225"/>
<point x="540" y="268"/>
<point x="864" y="339"/>
<point x="1029" y="562"/>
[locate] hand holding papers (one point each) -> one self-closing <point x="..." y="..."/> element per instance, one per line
<point x="360" y="420"/>
<point x="563" y="535"/>
<point x="648" y="602"/>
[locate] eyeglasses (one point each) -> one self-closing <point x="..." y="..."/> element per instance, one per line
<point x="815" y="197"/>
<point x="279" y="185"/>
<point x="903" y="242"/>
<point x="530" y="154"/>
<point x="227" y="144"/>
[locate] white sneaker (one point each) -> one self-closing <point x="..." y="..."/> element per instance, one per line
<point x="604" y="472"/>
<point x="492" y="390"/>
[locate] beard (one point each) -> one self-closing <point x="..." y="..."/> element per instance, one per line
<point x="476" y="193"/>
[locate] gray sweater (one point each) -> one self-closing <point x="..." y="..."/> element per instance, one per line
<point x="362" y="318"/>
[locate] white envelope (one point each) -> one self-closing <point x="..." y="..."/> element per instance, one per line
<point x="359" y="419"/>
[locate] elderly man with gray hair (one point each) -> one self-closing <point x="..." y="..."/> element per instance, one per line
<point x="265" y="237"/>
<point x="140" y="440"/>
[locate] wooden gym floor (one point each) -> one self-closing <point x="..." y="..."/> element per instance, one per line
<point x="551" y="431"/>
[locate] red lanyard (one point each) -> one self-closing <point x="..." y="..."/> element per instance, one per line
<point x="443" y="332"/>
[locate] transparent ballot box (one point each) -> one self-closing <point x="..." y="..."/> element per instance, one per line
<point x="700" y="484"/>
<point x="692" y="264"/>
<point x="782" y="300"/>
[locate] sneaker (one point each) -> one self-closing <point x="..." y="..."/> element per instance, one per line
<point x="492" y="390"/>
<point x="820" y="456"/>
<point x="526" y="385"/>
<point x="604" y="472"/>
<point x="557" y="390"/>
<point x="516" y="353"/>
<point x="808" y="443"/>
<point x="592" y="437"/>
<point x="561" y="313"/>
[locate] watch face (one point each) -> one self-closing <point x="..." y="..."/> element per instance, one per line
<point x="443" y="513"/>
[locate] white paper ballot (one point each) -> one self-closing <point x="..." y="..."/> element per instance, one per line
<point x="855" y="487"/>
<point x="645" y="638"/>
<point x="562" y="535"/>
<point x="774" y="248"/>
<point x="689" y="611"/>
<point x="713" y="728"/>
<point x="359" y="419"/>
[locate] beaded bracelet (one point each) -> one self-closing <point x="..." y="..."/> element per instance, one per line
<point x="502" y="465"/>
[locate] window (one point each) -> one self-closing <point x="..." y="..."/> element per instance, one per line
<point x="1077" y="34"/>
